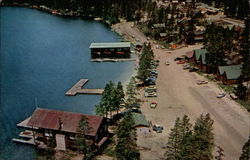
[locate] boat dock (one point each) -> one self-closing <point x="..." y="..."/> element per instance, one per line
<point x="78" y="89"/>
<point x="25" y="134"/>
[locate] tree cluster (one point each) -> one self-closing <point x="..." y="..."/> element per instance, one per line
<point x="219" y="41"/>
<point x="112" y="98"/>
<point x="126" y="148"/>
<point x="191" y="143"/>
<point x="110" y="10"/>
<point x="146" y="58"/>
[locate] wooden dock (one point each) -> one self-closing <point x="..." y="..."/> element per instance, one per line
<point x="78" y="89"/>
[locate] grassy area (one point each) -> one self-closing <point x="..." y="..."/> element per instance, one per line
<point x="226" y="88"/>
<point x="245" y="104"/>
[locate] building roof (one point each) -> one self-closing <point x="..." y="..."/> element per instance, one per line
<point x="231" y="72"/>
<point x="139" y="120"/>
<point x="110" y="45"/>
<point x="49" y="119"/>
<point x="201" y="53"/>
<point x="190" y="54"/>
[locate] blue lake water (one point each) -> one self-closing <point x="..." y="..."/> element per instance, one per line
<point x="42" y="56"/>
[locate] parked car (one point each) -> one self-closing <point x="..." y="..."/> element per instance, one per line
<point x="233" y="96"/>
<point x="181" y="62"/>
<point x="193" y="69"/>
<point x="167" y="63"/>
<point x="153" y="104"/>
<point x="200" y="82"/>
<point x="157" y="128"/>
<point x="186" y="66"/>
<point x="178" y="58"/>
<point x="150" y="89"/>
<point x="152" y="94"/>
<point x="221" y="95"/>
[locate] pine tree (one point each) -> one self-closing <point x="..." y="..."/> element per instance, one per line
<point x="81" y="142"/>
<point x="174" y="142"/>
<point x="246" y="151"/>
<point x="203" y="138"/>
<point x="126" y="148"/>
<point x="131" y="93"/>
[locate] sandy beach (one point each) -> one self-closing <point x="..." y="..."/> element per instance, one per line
<point x="177" y="95"/>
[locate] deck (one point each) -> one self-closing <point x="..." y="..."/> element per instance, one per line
<point x="78" y="89"/>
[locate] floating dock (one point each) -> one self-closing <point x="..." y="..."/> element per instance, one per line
<point x="78" y="89"/>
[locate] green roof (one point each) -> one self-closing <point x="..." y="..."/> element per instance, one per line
<point x="201" y="53"/>
<point x="231" y="72"/>
<point x="139" y="120"/>
<point x="111" y="45"/>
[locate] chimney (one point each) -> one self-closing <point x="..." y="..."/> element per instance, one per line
<point x="60" y="123"/>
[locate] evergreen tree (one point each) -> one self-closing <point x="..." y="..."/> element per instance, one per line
<point x="174" y="142"/>
<point x="131" y="93"/>
<point x="246" y="151"/>
<point x="126" y="147"/>
<point x="203" y="138"/>
<point x="82" y="144"/>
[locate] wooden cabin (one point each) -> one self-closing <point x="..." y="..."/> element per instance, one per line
<point x="62" y="127"/>
<point x="200" y="59"/>
<point x="141" y="124"/>
<point x="110" y="50"/>
<point x="229" y="74"/>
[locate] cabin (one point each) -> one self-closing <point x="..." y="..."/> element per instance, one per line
<point x="46" y="125"/>
<point x="141" y="124"/>
<point x="110" y="50"/>
<point x="200" y="59"/>
<point x="229" y="74"/>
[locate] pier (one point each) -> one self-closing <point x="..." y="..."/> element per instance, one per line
<point x="78" y="89"/>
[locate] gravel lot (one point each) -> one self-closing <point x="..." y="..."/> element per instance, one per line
<point x="178" y="94"/>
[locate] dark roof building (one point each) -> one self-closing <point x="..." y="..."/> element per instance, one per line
<point x="110" y="50"/>
<point x="62" y="126"/>
<point x="140" y="120"/>
<point x="49" y="119"/>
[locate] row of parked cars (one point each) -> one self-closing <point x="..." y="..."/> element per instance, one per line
<point x="151" y="80"/>
<point x="150" y="91"/>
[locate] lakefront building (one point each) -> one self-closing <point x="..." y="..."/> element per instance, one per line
<point x="62" y="127"/>
<point x="110" y="50"/>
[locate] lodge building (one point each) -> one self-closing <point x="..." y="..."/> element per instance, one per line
<point x="46" y="124"/>
<point x="110" y="50"/>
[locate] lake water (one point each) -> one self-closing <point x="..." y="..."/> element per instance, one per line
<point x="42" y="56"/>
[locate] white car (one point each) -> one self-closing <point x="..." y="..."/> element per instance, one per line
<point x="221" y="95"/>
<point x="200" y="82"/>
<point x="153" y="104"/>
<point x="167" y="63"/>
